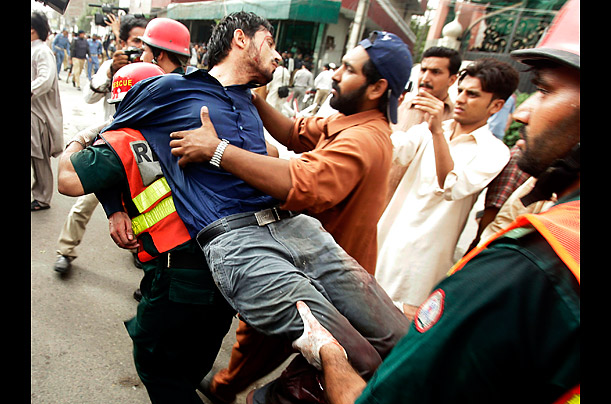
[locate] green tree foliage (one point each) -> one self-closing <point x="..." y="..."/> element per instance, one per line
<point x="513" y="132"/>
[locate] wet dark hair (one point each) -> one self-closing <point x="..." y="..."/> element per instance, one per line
<point x="219" y="44"/>
<point x="443" y="52"/>
<point x="495" y="76"/>
<point x="40" y="25"/>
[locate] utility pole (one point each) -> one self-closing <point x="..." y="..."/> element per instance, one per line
<point x="358" y="25"/>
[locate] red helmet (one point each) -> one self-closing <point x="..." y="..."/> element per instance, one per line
<point x="167" y="34"/>
<point x="130" y="74"/>
<point x="561" y="41"/>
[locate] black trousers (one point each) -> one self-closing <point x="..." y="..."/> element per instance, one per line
<point x="179" y="326"/>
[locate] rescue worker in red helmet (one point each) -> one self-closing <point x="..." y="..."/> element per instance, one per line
<point x="133" y="30"/>
<point x="182" y="318"/>
<point x="166" y="42"/>
<point x="504" y="327"/>
<point x="127" y="76"/>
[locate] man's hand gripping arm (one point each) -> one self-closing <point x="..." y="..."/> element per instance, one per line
<point x="268" y="174"/>
<point x="342" y="383"/>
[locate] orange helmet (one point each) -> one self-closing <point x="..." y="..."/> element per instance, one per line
<point x="167" y="34"/>
<point x="561" y="42"/>
<point x="130" y="74"/>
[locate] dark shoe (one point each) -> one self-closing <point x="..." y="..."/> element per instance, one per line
<point x="62" y="265"/>
<point x="35" y="205"/>
<point x="204" y="387"/>
<point x="137" y="295"/>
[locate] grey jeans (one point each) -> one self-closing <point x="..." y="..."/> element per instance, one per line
<point x="264" y="270"/>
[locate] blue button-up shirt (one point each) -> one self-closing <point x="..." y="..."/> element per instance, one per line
<point x="60" y="43"/>
<point x="160" y="105"/>
<point x="95" y="47"/>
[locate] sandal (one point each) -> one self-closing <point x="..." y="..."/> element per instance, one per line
<point x="35" y="205"/>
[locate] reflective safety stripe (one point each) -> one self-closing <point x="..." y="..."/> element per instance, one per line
<point x="146" y="220"/>
<point x="572" y="396"/>
<point x="151" y="194"/>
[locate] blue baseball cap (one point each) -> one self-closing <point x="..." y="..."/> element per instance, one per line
<point x="391" y="56"/>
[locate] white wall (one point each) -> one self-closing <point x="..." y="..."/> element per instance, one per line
<point x="338" y="32"/>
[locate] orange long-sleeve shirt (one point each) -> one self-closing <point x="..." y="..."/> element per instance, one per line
<point x="341" y="177"/>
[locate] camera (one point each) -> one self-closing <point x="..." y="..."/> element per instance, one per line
<point x="57" y="5"/>
<point x="133" y="54"/>
<point x="101" y="18"/>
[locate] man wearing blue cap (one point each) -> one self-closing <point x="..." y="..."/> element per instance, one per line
<point x="339" y="178"/>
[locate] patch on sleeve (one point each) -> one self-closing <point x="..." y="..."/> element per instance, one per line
<point x="430" y="311"/>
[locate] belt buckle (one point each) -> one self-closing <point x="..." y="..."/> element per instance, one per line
<point x="266" y="216"/>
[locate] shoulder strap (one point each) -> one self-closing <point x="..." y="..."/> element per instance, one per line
<point x="559" y="226"/>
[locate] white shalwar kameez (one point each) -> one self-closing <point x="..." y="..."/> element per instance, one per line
<point x="419" y="230"/>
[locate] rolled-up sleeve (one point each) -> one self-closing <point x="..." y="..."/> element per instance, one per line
<point x="98" y="168"/>
<point x="476" y="163"/>
<point x="100" y="84"/>
<point x="323" y="178"/>
<point x="478" y="158"/>
<point x="306" y="134"/>
<point x="406" y="144"/>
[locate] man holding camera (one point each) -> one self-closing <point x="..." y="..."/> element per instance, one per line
<point x="128" y="29"/>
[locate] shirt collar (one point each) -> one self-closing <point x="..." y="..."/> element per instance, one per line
<point x="479" y="134"/>
<point x="204" y="73"/>
<point x="339" y="122"/>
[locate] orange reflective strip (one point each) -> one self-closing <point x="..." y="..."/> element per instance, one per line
<point x="559" y="226"/>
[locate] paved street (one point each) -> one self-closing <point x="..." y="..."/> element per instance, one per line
<point x="80" y="350"/>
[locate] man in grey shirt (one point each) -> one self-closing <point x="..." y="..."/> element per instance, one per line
<point x="302" y="80"/>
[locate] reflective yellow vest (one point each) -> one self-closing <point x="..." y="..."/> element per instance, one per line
<point x="149" y="191"/>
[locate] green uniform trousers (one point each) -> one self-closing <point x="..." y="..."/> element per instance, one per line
<point x="179" y="326"/>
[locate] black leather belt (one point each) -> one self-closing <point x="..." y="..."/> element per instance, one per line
<point x="239" y="220"/>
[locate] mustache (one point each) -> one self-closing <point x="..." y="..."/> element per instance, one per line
<point x="426" y="85"/>
<point x="522" y="131"/>
<point x="335" y="86"/>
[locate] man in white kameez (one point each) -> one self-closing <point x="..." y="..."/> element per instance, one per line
<point x="46" y="113"/>
<point x="323" y="84"/>
<point x="449" y="164"/>
<point x="281" y="77"/>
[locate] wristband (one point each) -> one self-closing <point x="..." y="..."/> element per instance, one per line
<point x="218" y="153"/>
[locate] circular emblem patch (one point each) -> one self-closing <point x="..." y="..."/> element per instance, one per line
<point x="430" y="311"/>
